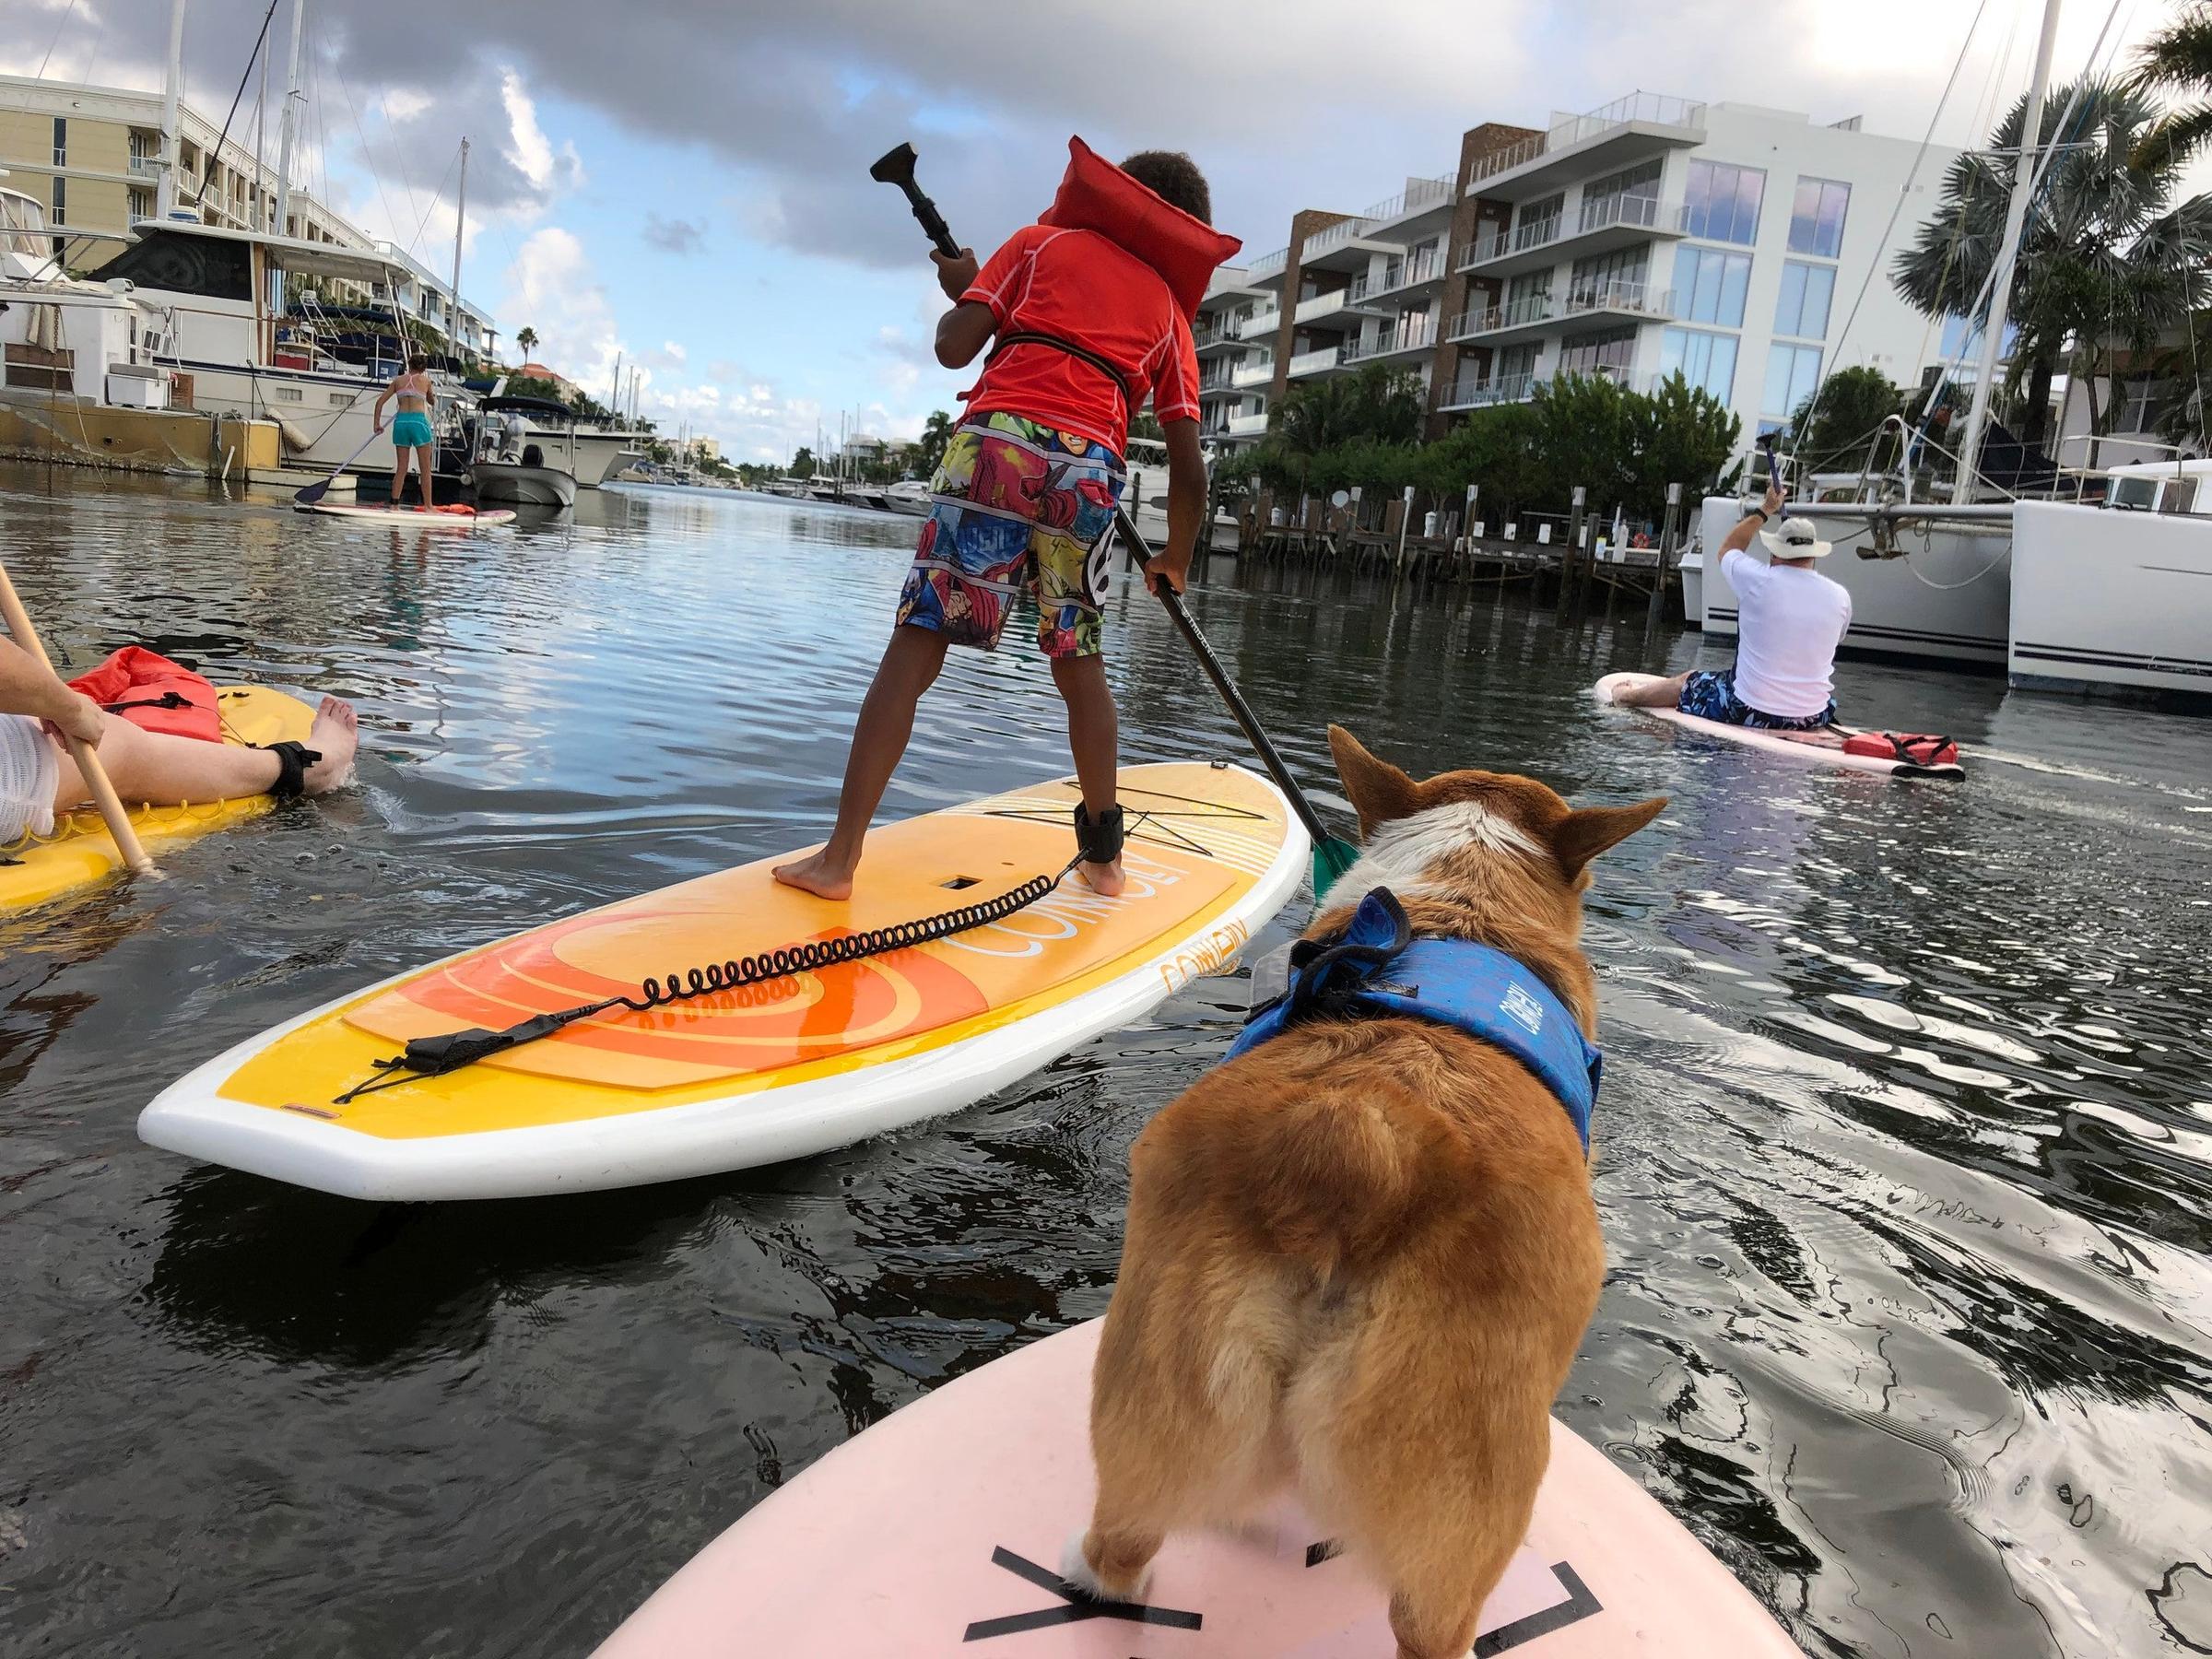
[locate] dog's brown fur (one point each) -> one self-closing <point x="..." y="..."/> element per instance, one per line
<point x="1360" y="1258"/>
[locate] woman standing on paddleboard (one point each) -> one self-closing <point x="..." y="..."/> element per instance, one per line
<point x="411" y="430"/>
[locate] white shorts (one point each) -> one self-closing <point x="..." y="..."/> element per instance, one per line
<point x="30" y="771"/>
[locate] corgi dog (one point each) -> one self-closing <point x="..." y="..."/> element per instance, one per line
<point x="1360" y="1256"/>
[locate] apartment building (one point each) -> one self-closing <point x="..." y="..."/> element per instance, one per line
<point x="1654" y="235"/>
<point x="91" y="155"/>
<point x="1234" y="372"/>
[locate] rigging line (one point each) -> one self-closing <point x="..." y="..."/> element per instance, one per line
<point x="375" y="172"/>
<point x="245" y="75"/>
<point x="69" y="11"/>
<point x="1896" y="209"/>
<point x="436" y="194"/>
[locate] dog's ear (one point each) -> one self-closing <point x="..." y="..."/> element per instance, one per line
<point x="1379" y="792"/>
<point x="1582" y="834"/>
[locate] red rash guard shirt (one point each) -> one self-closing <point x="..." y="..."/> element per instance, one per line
<point x="1081" y="287"/>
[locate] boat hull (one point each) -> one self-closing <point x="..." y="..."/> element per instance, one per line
<point x="2110" y="601"/>
<point x="525" y="486"/>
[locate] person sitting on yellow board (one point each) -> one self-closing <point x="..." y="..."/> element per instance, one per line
<point x="40" y="781"/>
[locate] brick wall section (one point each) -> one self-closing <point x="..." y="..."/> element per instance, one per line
<point x="1306" y="222"/>
<point x="1472" y="217"/>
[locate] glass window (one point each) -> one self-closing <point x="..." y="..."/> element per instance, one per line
<point x="61" y="141"/>
<point x="1802" y="307"/>
<point x="1704" y="360"/>
<point x="1791" y="373"/>
<point x="60" y="216"/>
<point x="1620" y="274"/>
<point x="1720" y="203"/>
<point x="1709" y="286"/>
<point x="1816" y="218"/>
<point x="1539" y="221"/>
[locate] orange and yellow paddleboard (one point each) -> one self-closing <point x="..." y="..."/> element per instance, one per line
<point x="771" y="1071"/>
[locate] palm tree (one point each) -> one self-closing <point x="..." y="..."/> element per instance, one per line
<point x="1377" y="404"/>
<point x="2107" y="263"/>
<point x="525" y="340"/>
<point x="929" y="449"/>
<point x="2179" y="59"/>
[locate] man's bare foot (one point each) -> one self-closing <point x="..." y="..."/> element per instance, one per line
<point x="1106" y="880"/>
<point x="816" y="874"/>
<point x="335" y="734"/>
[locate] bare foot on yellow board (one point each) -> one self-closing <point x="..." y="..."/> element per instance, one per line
<point x="814" y="873"/>
<point x="1106" y="881"/>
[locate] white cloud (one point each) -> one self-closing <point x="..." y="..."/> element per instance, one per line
<point x="402" y="104"/>
<point x="528" y="148"/>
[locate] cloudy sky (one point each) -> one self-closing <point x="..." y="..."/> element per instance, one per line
<point x="685" y="183"/>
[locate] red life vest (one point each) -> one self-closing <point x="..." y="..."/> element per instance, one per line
<point x="154" y="694"/>
<point x="1920" y="749"/>
<point x="1097" y="195"/>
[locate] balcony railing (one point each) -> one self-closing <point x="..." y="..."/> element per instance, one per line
<point x="1253" y="371"/>
<point x="1320" y="305"/>
<point x="1266" y="265"/>
<point x="1316" y="362"/>
<point x="1422" y="267"/>
<point x="1418" y="193"/>
<point x="1532" y="308"/>
<point x="1643" y="212"/>
<point x="1653" y="107"/>
<point x="1472" y="392"/>
<point x="1215" y="380"/>
<point x="145" y="167"/>
<point x="1411" y="332"/>
<point x="1637" y="297"/>
<point x="1248" y="425"/>
<point x="1321" y="241"/>
<point x="1259" y="325"/>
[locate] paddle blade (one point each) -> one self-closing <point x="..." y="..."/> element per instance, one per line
<point x="313" y="493"/>
<point x="1332" y="858"/>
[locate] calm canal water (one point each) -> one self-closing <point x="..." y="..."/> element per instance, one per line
<point x="1904" y="1158"/>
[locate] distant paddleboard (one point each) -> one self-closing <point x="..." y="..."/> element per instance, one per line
<point x="940" y="1530"/>
<point x="1824" y="747"/>
<point x="771" y="1071"/>
<point x="456" y="517"/>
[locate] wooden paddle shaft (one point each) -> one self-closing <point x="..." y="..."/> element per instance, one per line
<point x="83" y="753"/>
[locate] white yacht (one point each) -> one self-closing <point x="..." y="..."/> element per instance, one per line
<point x="89" y="340"/>
<point x="313" y="368"/>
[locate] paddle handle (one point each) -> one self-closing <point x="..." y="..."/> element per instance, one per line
<point x="933" y="222"/>
<point x="1254" y="733"/>
<point x="83" y="753"/>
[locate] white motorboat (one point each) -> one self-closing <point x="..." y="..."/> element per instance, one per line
<point x="524" y="452"/>
<point x="91" y="341"/>
<point x="602" y="451"/>
<point x="315" y="368"/>
<point x="909" y="496"/>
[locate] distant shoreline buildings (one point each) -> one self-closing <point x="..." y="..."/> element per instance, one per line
<point x="1655" y="235"/>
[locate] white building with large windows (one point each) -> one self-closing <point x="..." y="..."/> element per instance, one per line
<point x="1234" y="372"/>
<point x="1746" y="248"/>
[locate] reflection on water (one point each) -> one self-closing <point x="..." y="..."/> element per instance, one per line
<point x="1905" y="1154"/>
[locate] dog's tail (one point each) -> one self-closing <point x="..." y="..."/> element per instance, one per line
<point x="1334" y="1175"/>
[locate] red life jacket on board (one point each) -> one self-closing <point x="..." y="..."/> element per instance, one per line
<point x="154" y="694"/>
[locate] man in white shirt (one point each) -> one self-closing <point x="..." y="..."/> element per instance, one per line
<point x="1790" y="619"/>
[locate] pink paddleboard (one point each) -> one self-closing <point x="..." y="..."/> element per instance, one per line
<point x="1824" y="747"/>
<point x="937" y="1533"/>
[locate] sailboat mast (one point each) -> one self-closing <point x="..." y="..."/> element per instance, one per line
<point x="2008" y="253"/>
<point x="173" y="90"/>
<point x="452" y="304"/>
<point x="284" y="141"/>
<point x="261" y="147"/>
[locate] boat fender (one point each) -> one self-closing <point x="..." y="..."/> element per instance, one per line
<point x="154" y="694"/>
<point x="1097" y="195"/>
<point x="294" y="439"/>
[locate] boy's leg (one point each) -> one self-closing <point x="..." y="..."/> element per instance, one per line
<point x="1658" y="694"/>
<point x="1094" y="736"/>
<point x="887" y="721"/>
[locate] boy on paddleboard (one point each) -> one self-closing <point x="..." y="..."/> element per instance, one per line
<point x="1023" y="503"/>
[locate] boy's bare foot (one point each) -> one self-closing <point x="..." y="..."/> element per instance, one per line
<point x="816" y="874"/>
<point x="337" y="734"/>
<point x="1106" y="880"/>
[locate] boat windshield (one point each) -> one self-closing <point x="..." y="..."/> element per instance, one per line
<point x="22" y="224"/>
<point x="2138" y="494"/>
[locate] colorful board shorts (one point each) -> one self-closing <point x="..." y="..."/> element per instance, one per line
<point x="1710" y="694"/>
<point x="1018" y="508"/>
<point x="411" y="430"/>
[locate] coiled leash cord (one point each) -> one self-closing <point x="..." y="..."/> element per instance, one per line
<point x="1099" y="841"/>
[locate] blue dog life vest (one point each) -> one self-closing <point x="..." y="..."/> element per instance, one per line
<point x="1379" y="968"/>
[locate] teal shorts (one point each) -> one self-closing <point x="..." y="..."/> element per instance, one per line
<point x="411" y="430"/>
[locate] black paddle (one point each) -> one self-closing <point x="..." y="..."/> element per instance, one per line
<point x="1331" y="855"/>
<point x="315" y="492"/>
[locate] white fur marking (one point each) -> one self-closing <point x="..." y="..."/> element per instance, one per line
<point x="1402" y="851"/>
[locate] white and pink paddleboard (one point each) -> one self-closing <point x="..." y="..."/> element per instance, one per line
<point x="412" y="518"/>
<point x="938" y="1532"/>
<point x="1824" y="747"/>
